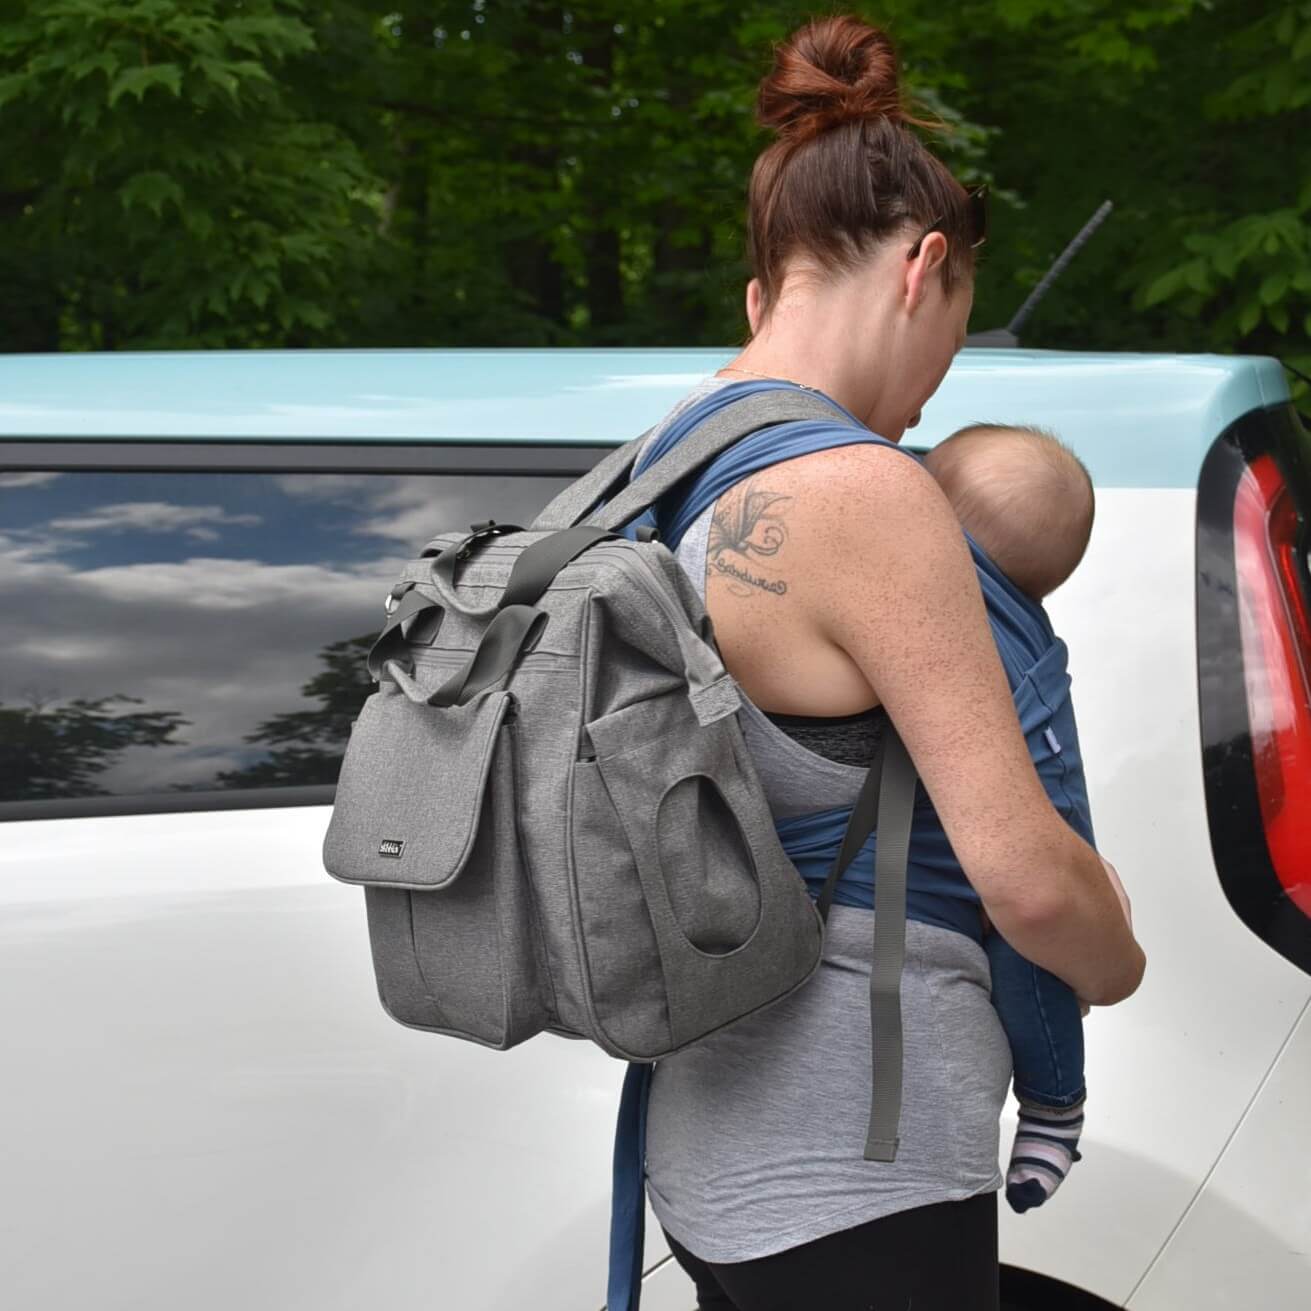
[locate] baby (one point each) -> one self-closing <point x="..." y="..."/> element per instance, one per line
<point x="1028" y="502"/>
<point x="1023" y="496"/>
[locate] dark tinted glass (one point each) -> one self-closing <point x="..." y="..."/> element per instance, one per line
<point x="164" y="632"/>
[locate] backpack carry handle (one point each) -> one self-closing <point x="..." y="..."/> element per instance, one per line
<point x="514" y="629"/>
<point x="403" y="603"/>
<point x="449" y="557"/>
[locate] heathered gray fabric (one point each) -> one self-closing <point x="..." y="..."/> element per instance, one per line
<point x="755" y="1136"/>
<point x="574" y="838"/>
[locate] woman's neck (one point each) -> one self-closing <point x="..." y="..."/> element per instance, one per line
<point x="821" y="337"/>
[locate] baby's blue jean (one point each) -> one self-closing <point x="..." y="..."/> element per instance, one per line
<point x="1040" y="1015"/>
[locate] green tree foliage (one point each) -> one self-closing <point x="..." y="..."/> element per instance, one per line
<point x="1194" y="118"/>
<point x="531" y="172"/>
<point x="51" y="751"/>
<point x="168" y="178"/>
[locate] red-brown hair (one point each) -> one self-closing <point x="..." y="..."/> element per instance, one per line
<point x="846" y="171"/>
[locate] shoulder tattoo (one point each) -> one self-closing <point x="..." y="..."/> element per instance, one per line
<point x="747" y="532"/>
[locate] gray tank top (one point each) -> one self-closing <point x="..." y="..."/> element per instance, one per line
<point x="755" y="1135"/>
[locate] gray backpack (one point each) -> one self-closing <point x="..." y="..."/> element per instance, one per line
<point x="550" y="805"/>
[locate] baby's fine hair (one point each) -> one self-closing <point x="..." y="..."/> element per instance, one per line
<point x="1023" y="495"/>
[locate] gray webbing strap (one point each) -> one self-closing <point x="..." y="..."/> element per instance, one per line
<point x="896" y="807"/>
<point x="390" y="641"/>
<point x="535" y="569"/>
<point x="599" y="484"/>
<point x="864" y="817"/>
<point x="708" y="439"/>
<point x="511" y="631"/>
<point x="447" y="559"/>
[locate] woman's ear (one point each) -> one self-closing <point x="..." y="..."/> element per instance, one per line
<point x="753" y="305"/>
<point x="925" y="266"/>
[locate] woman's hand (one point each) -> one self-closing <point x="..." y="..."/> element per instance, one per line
<point x="1114" y="878"/>
<point x="1119" y="889"/>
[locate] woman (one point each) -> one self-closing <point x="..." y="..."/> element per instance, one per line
<point x="842" y="590"/>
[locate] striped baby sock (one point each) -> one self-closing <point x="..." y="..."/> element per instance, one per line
<point x="1046" y="1146"/>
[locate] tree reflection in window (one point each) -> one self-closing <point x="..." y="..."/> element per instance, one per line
<point x="53" y="752"/>
<point x="187" y="632"/>
<point x="307" y="745"/>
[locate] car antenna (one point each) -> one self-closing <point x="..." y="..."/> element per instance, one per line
<point x="1010" y="334"/>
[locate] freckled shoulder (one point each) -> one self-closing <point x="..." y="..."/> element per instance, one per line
<point x="832" y="493"/>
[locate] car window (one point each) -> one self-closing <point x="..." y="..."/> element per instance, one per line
<point x="170" y="633"/>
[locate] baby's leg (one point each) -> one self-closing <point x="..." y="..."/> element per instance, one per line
<point x="1041" y="1017"/>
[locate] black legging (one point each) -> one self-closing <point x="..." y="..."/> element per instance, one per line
<point x="941" y="1257"/>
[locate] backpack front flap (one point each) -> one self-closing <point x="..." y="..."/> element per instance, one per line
<point x="413" y="788"/>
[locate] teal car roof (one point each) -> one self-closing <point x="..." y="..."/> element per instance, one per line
<point x="1136" y="420"/>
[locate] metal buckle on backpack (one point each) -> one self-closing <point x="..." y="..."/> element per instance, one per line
<point x="394" y="596"/>
<point x="478" y="531"/>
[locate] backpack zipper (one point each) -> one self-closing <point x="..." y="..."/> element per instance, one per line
<point x="452" y="658"/>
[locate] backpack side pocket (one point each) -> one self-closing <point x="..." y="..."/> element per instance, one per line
<point x="733" y="927"/>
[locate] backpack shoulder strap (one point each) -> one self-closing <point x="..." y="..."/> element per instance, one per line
<point x="707" y="440"/>
<point x="600" y="483"/>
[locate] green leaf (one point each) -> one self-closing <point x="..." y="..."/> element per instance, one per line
<point x="102" y="61"/>
<point x="1197" y="276"/>
<point x="1273" y="288"/>
<point x="151" y="190"/>
<point x="1163" y="288"/>
<point x="250" y="70"/>
<point x="13" y="86"/>
<point x="1225" y="261"/>
<point x="1278" y="316"/>
<point x="1248" y="317"/>
<point x="137" y="81"/>
<point x="218" y="72"/>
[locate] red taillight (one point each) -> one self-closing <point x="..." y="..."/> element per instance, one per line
<point x="1276" y="637"/>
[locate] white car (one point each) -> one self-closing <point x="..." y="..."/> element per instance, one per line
<point x="204" y="1105"/>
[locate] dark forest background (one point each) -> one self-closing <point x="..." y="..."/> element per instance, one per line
<point x="203" y="173"/>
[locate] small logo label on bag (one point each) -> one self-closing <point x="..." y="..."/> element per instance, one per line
<point x="391" y="847"/>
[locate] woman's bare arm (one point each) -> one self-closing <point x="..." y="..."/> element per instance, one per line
<point x="884" y="573"/>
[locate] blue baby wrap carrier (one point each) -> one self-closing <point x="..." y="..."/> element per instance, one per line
<point x="937" y="891"/>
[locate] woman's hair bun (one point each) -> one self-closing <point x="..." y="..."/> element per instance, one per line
<point x="831" y="71"/>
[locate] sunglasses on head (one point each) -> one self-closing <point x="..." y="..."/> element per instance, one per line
<point x="977" y="199"/>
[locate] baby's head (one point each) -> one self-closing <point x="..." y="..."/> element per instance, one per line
<point x="1023" y="496"/>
